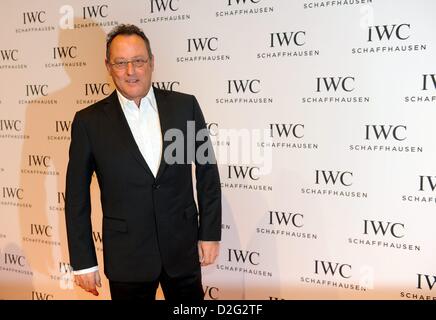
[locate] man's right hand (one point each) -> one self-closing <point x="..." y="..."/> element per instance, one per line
<point x="88" y="282"/>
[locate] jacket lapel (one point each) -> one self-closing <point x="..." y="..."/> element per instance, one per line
<point x="164" y="114"/>
<point x="114" y="112"/>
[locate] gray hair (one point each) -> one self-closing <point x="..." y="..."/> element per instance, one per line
<point x="126" y="29"/>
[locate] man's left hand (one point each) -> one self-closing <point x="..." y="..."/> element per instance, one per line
<point x="208" y="252"/>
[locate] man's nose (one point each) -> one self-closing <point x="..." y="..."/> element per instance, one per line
<point x="130" y="68"/>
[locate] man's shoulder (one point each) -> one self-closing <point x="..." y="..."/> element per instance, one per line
<point x="95" y="108"/>
<point x="172" y="95"/>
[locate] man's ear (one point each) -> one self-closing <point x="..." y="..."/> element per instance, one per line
<point x="152" y="62"/>
<point x="108" y="66"/>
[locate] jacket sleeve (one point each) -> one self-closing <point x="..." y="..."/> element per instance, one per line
<point x="78" y="199"/>
<point x="208" y="184"/>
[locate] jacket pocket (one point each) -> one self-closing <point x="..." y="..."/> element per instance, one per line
<point x="114" y="224"/>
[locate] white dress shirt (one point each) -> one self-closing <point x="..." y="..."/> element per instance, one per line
<point x="145" y="126"/>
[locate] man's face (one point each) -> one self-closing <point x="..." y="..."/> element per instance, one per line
<point x="133" y="82"/>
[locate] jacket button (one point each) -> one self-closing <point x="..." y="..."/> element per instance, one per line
<point x="156" y="186"/>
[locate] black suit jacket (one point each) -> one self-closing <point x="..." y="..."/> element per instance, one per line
<point x="148" y="222"/>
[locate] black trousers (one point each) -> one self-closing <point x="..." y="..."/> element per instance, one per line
<point x="187" y="288"/>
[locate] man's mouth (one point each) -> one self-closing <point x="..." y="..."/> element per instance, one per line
<point x="132" y="81"/>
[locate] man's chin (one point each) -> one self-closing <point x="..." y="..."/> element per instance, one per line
<point x="134" y="94"/>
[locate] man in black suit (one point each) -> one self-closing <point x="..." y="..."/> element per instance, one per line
<point x="152" y="230"/>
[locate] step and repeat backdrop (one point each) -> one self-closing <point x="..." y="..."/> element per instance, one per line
<point x="322" y="115"/>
